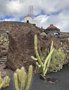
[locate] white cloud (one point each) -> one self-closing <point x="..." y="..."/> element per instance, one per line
<point x="60" y="20"/>
<point x="47" y="6"/>
<point x="55" y="11"/>
<point x="41" y="20"/>
<point x="10" y="19"/>
<point x="14" y="6"/>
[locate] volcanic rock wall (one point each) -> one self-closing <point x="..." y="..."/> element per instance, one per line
<point x="3" y="46"/>
<point x="21" y="39"/>
<point x="21" y="46"/>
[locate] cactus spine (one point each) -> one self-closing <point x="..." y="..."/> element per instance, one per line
<point x="24" y="76"/>
<point x="4" y="82"/>
<point x="48" y="59"/>
<point x="16" y="81"/>
<point x="22" y="81"/>
<point x="43" y="65"/>
<point x="29" y="77"/>
<point x="36" y="51"/>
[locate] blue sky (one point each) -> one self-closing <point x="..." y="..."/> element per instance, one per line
<point x="44" y="12"/>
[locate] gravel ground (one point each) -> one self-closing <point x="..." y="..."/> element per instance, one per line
<point x="62" y="83"/>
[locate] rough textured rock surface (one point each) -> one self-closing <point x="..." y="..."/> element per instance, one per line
<point x="21" y="46"/>
<point x="3" y="46"/>
<point x="21" y="43"/>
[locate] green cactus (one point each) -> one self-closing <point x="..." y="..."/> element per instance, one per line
<point x="16" y="81"/>
<point x="29" y="77"/>
<point x="57" y="60"/>
<point x="22" y="81"/>
<point x="4" y="82"/>
<point x="43" y="65"/>
<point x="36" y="51"/>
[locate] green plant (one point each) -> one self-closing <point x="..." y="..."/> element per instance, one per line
<point x="22" y="80"/>
<point x="57" y="60"/>
<point x="43" y="65"/>
<point x="4" y="82"/>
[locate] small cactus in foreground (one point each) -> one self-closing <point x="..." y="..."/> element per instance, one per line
<point x="22" y="81"/>
<point x="4" y="82"/>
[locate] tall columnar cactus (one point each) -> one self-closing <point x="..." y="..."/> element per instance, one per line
<point x="43" y="65"/>
<point x="22" y="80"/>
<point x="4" y="82"/>
<point x="29" y="77"/>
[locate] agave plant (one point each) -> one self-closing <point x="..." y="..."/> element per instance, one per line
<point x="4" y="82"/>
<point x="43" y="65"/>
<point x="22" y="80"/>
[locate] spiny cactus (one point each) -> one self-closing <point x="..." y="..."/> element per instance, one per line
<point x="4" y="82"/>
<point x="22" y="80"/>
<point x="43" y="65"/>
<point x="57" y="60"/>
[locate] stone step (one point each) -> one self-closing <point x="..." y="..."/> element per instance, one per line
<point x="3" y="60"/>
<point x="67" y="57"/>
<point x="3" y="53"/>
<point x="67" y="51"/>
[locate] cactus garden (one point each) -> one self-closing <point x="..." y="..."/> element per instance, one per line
<point x="31" y="59"/>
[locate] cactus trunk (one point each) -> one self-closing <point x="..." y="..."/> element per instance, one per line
<point x="22" y="80"/>
<point x="43" y="65"/>
<point x="29" y="77"/>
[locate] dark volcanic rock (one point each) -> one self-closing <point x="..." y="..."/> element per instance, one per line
<point x="21" y="46"/>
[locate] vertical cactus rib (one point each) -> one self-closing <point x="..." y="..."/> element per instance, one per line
<point x="47" y="58"/>
<point x="43" y="65"/>
<point x="36" y="51"/>
<point x="23" y="80"/>
<point x="16" y="81"/>
<point x="47" y="66"/>
<point x="51" y="46"/>
<point x="4" y="82"/>
<point x="19" y="74"/>
<point x="30" y="72"/>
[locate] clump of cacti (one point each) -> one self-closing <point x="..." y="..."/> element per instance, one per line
<point x="22" y="80"/>
<point x="57" y="60"/>
<point x="43" y="65"/>
<point x="4" y="82"/>
<point x="49" y="59"/>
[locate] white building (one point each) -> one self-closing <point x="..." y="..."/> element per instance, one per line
<point x="28" y="19"/>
